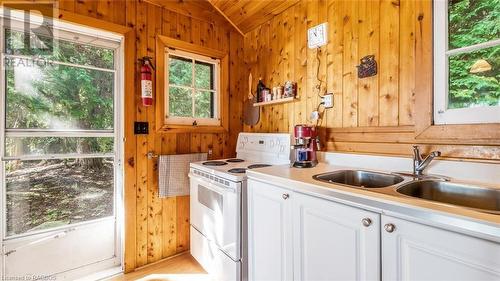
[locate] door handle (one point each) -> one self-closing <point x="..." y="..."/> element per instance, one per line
<point x="390" y="227"/>
<point x="285" y="196"/>
<point x="41" y="240"/>
<point x="366" y="222"/>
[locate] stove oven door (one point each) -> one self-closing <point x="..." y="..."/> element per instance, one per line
<point x="216" y="212"/>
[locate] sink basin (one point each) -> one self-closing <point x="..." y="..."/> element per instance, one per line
<point x="357" y="178"/>
<point x="474" y="197"/>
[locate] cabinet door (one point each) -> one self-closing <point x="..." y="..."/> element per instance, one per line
<point x="332" y="243"/>
<point x="414" y="251"/>
<point x="269" y="232"/>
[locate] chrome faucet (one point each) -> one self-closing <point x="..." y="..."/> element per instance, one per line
<point x="419" y="164"/>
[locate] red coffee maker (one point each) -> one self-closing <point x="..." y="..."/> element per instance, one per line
<point x="306" y="145"/>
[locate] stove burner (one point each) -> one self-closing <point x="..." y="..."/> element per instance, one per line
<point x="234" y="160"/>
<point x="254" y="166"/>
<point x="214" y="163"/>
<point x="237" y="170"/>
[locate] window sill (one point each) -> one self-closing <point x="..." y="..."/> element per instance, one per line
<point x="171" y="128"/>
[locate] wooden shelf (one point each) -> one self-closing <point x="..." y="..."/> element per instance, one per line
<point x="278" y="101"/>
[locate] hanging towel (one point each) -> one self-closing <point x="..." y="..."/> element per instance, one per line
<point x="173" y="173"/>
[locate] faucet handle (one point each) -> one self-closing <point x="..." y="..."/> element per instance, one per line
<point x="436" y="153"/>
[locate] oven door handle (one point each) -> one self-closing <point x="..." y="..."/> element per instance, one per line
<point x="212" y="186"/>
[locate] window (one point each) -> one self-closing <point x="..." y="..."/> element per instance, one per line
<point x="466" y="62"/>
<point x="192" y="89"/>
<point x="59" y="138"/>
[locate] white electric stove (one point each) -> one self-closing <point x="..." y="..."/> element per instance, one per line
<point x="218" y="203"/>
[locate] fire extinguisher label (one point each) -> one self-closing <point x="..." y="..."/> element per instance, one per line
<point x="147" y="88"/>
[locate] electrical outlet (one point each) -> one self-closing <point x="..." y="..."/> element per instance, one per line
<point x="141" y="128"/>
<point x="314" y="115"/>
<point x="328" y="100"/>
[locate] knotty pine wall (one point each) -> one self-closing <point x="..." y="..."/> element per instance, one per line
<point x="160" y="227"/>
<point x="370" y="115"/>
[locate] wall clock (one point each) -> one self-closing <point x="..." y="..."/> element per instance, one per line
<point x="317" y="36"/>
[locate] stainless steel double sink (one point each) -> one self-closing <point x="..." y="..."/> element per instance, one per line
<point x="479" y="198"/>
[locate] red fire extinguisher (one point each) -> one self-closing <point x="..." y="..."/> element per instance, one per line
<point x="146" y="81"/>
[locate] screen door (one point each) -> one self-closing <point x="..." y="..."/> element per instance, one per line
<point x="60" y="150"/>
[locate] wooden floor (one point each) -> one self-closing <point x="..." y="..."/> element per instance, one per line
<point x="180" y="268"/>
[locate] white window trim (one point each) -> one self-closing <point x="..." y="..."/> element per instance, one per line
<point x="188" y="121"/>
<point x="443" y="115"/>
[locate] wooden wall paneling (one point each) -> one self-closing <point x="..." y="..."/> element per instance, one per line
<point x="169" y="205"/>
<point x="350" y="60"/>
<point x="389" y="63"/>
<point x="274" y="73"/>
<point x="67" y="5"/>
<point x="312" y="61"/>
<point x="142" y="148"/>
<point x="263" y="38"/>
<point x="300" y="68"/>
<point x="335" y="49"/>
<point x="130" y="159"/>
<point x="407" y="61"/>
<point x="288" y="65"/>
<point x="369" y="23"/>
<point x="238" y="83"/>
<point x="154" y="204"/>
<point x="169" y="24"/>
<point x="182" y="223"/>
<point x="323" y="64"/>
<point x="86" y="8"/>
<point x="184" y="28"/>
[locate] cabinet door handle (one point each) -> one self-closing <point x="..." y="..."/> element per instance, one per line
<point x="285" y="196"/>
<point x="390" y="227"/>
<point x="366" y="222"/>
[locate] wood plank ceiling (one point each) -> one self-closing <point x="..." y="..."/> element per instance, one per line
<point x="248" y="14"/>
<point x="244" y="15"/>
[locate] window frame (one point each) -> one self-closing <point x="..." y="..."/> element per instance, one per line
<point x="215" y="121"/>
<point x="443" y="115"/>
<point x="161" y="126"/>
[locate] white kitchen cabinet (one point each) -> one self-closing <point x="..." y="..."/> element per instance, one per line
<point x="293" y="236"/>
<point x="412" y="251"/>
<point x="269" y="232"/>
<point x="333" y="241"/>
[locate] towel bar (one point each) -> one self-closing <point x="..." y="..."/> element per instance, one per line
<point x="152" y="155"/>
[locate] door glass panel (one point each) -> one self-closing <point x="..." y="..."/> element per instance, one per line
<point x="51" y="96"/>
<point x="60" y="50"/>
<point x="44" y="194"/>
<point x="24" y="146"/>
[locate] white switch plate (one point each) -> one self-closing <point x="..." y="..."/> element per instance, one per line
<point x="327" y="100"/>
<point x="317" y="36"/>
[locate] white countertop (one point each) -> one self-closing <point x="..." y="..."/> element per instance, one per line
<point x="445" y="216"/>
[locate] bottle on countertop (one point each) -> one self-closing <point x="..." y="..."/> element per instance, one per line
<point x="260" y="88"/>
